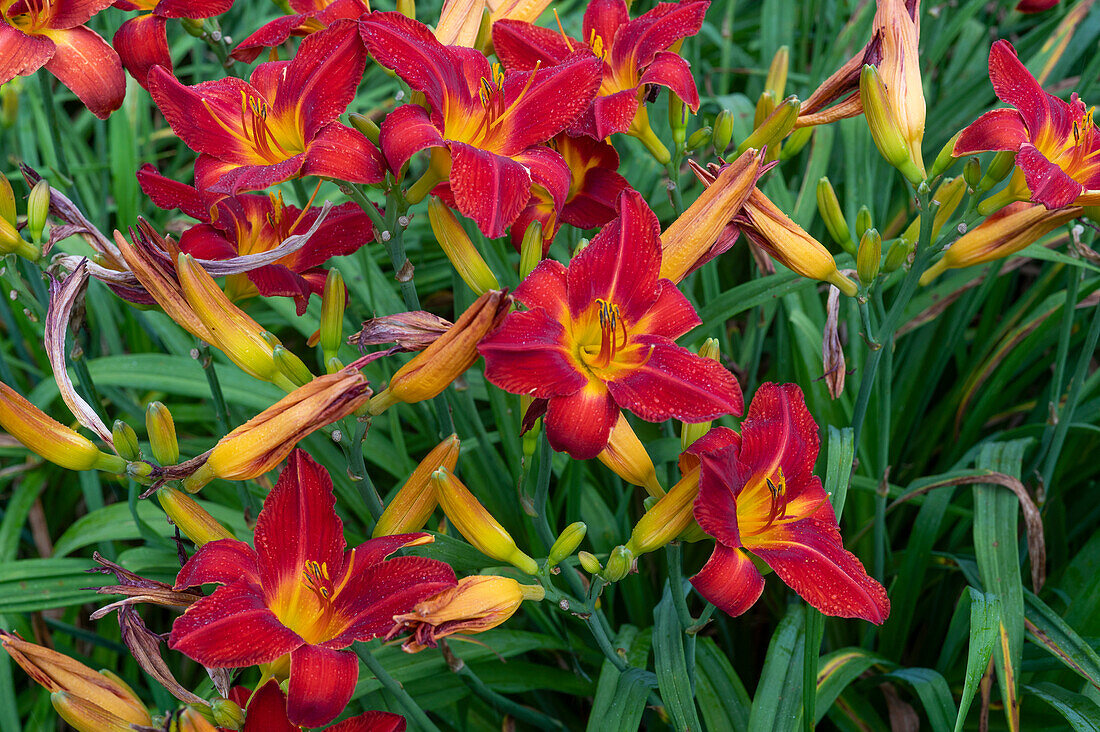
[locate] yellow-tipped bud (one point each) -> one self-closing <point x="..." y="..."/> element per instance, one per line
<point x="7" y="201"/>
<point x="863" y="221"/>
<point x="689" y="433"/>
<point x="828" y="206"/>
<point x="776" y="81"/>
<point x="775" y="127"/>
<point x="192" y="519"/>
<point x="619" y="564"/>
<point x="887" y="134"/>
<point x="698" y="139"/>
<point x="589" y="563"/>
<point x="227" y="713"/>
<point x="476" y="524"/>
<point x="946" y="158"/>
<point x="723" y="131"/>
<point x="191" y="720"/>
<point x="126" y="442"/>
<point x="999" y="168"/>
<point x="84" y="716"/>
<point x="677" y="119"/>
<point x="161" y="429"/>
<point x="795" y="142"/>
<point x="456" y="244"/>
<point x="530" y="249"/>
<point x="292" y="368"/>
<point x="433" y="369"/>
<point x="414" y="502"/>
<point x="12" y="243"/>
<point x="366" y="125"/>
<point x="568" y="540"/>
<point x="49" y="438"/>
<point x="407" y="8"/>
<point x="765" y="105"/>
<point x="668" y="518"/>
<point x="333" y="302"/>
<point x="869" y="256"/>
<point x="627" y="457"/>
<point x="896" y="256"/>
<point x="38" y="208"/>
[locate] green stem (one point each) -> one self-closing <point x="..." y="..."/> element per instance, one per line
<point x="415" y="714"/>
<point x="45" y="82"/>
<point x="674" y="553"/>
<point x="221" y="410"/>
<point x="674" y="193"/>
<point x="357" y="467"/>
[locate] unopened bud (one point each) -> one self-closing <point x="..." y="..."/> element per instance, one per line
<point x="863" y="221"/>
<point x="366" y="125"/>
<point x="476" y="524"/>
<point x="84" y="716"/>
<point x="627" y="457"/>
<point x="49" y="438"/>
<point x="567" y="543"/>
<point x="588" y="562"/>
<point x="126" y="442"/>
<point x="333" y="302"/>
<point x="776" y="81"/>
<point x="829" y="207"/>
<point x="677" y="119"/>
<point x="407" y="8"/>
<point x="869" y="256"/>
<point x="774" y="128"/>
<point x="333" y="365"/>
<point x="698" y="139"/>
<point x="9" y="103"/>
<point x="946" y="158"/>
<point x="414" y="502"/>
<point x="192" y="720"/>
<point x="887" y="134"/>
<point x="668" y="518"/>
<point x="456" y="244"/>
<point x="193" y="27"/>
<point x="619" y="564"/>
<point x="38" y="208"/>
<point x="999" y="168"/>
<point x="290" y="366"/>
<point x="193" y="520"/>
<point x="162" y="434"/>
<point x="723" y="131"/>
<point x="531" y="249"/>
<point x="795" y="142"/>
<point x="972" y="173"/>
<point x="227" y="713"/>
<point x="7" y="201"/>
<point x="896" y="256"/>
<point x="765" y="105"/>
<point x="12" y="243"/>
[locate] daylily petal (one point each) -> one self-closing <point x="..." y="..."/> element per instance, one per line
<point x="671" y="315"/>
<point x="342" y="153"/>
<point x="545" y="288"/>
<point x="142" y="43"/>
<point x="256" y="177"/>
<point x="406" y="131"/>
<point x="1001" y="129"/>
<point x="596" y="201"/>
<point x="208" y="171"/>
<point x="321" y="683"/>
<point x="779" y="433"/>
<point x="204" y="241"/>
<point x="374" y="551"/>
<point x="1014" y="84"/>
<point x="640" y="40"/>
<point x="275" y="280"/>
<point x="269" y="35"/>
<point x="488" y="188"/>
<point x="88" y="65"/>
<point x="546" y="104"/>
<point x="730" y="580"/>
<point x="232" y="628"/>
<point x="608" y="115"/>
<point x="20" y="54"/>
<point x="190" y="119"/>
<point x="604" y="18"/>
<point x="344" y="231"/>
<point x="547" y="169"/>
<point x="715" y="508"/>
<point x="71" y="13"/>
<point x="1048" y="183"/>
<point x="223" y="561"/>
<point x="809" y="557"/>
<point x="580" y="424"/>
<point x="521" y="46"/>
<point x="192" y="8"/>
<point x="410" y="49"/>
<point x="545" y="367"/>
<point x="267" y="710"/>
<point x="371" y="722"/>
<point x="674" y="382"/>
<point x="169" y="194"/>
<point x="672" y="71"/>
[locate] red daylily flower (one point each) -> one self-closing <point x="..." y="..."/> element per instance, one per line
<point x="599" y="336"/>
<point x="1035" y="6"/>
<point x="1057" y="145"/>
<point x="635" y="53"/>
<point x="594" y="188"/>
<point x="485" y="128"/>
<point x="757" y="492"/>
<point x="311" y="17"/>
<point x="301" y="592"/>
<point x="51" y="33"/>
<point x="279" y="126"/>
<point x="267" y="712"/>
<point x="142" y="42"/>
<point x="249" y="224"/>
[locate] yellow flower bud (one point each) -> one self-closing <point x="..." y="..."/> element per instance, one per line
<point x="567" y="542"/>
<point x="191" y="720"/>
<point x="869" y="256"/>
<point x="668" y="518"/>
<point x="589" y="563"/>
<point x="776" y="81"/>
<point x="689" y="433"/>
<point x="999" y="168"/>
<point x="7" y="201"/>
<point x="828" y="206"/>
<point x="227" y="713"/>
<point x="863" y="221"/>
<point x="192" y="519"/>
<point x="627" y="457"/>
<point x="162" y="434"/>
<point x="366" y="125"/>
<point x="333" y="302"/>
<point x="476" y="524"/>
<point x="884" y="127"/>
<point x="38" y="208"/>
<point x="946" y="158"/>
<point x="723" y="131"/>
<point x="290" y="366"/>
<point x="775" y="126"/>
<point x="407" y="8"/>
<point x="530" y="249"/>
<point x="619" y="564"/>
<point x="700" y="138"/>
<point x="413" y="504"/>
<point x="456" y="244"/>
<point x="126" y="442"/>
<point x="12" y="243"/>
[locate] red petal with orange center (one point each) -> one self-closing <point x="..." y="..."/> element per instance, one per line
<point x="596" y="201"/>
<point x="406" y="131"/>
<point x="20" y="54"/>
<point x="1014" y="84"/>
<point x="528" y="354"/>
<point x="544" y="102"/>
<point x="321" y="684"/>
<point x="656" y="30"/>
<point x="68" y="13"/>
<point x="548" y="169"/>
<point x="191" y="120"/>
<point x="545" y="288"/>
<point x="192" y="8"/>
<point x="580" y="424"/>
<point x="410" y="49"/>
<point x="88" y="65"/>
<point x="142" y="43"/>
<point x="673" y="72"/>
<point x="267" y="710"/>
<point x="671" y="315"/>
<point x="223" y="561"/>
<point x="779" y="433"/>
<point x="239" y="178"/>
<point x="371" y="722"/>
<point x="729" y="580"/>
<point x="488" y="188"/>
<point x="1048" y="183"/>
<point x="520" y="45"/>
<point x="342" y="153"/>
<point x="1001" y="129"/>
<point x="608" y="115"/>
<point x="169" y="194"/>
<point x="604" y="18"/>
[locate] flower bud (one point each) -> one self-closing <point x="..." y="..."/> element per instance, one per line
<point x="456" y="244"/>
<point x="83" y="716"/>
<point x="126" y="442"/>
<point x="192" y="519"/>
<point x="49" y="438"/>
<point x="896" y="256"/>
<point x="531" y="249"/>
<point x="765" y="105"/>
<point x="776" y="80"/>
<point x="869" y="256"/>
<point x="227" y="713"/>
<point x="333" y="301"/>
<point x="829" y="207"/>
<point x="999" y="168"/>
<point x="191" y="720"/>
<point x="568" y="540"/>
<point x="667" y="519"/>
<point x="627" y="457"/>
<point x="292" y="368"/>
<point x="407" y="8"/>
<point x="619" y="564"/>
<point x="433" y="369"/>
<point x="946" y="158"/>
<point x="589" y="563"/>
<point x="12" y="243"/>
<point x="774" y="128"/>
<point x="863" y="221"/>
<point x="9" y="103"/>
<point x="723" y="131"/>
<point x="689" y="433"/>
<point x="972" y="173"/>
<point x="366" y="125"/>
<point x="677" y="119"/>
<point x="698" y="139"/>
<point x="415" y="501"/>
<point x="7" y="201"/>
<point x="884" y="128"/>
<point x="162" y="434"/>
<point x="795" y="142"/>
<point x="476" y="524"/>
<point x="38" y="208"/>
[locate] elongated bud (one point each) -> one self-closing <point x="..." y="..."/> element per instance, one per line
<point x="896" y="256"/>
<point x="946" y="158"/>
<point x="12" y="243"/>
<point x="193" y="27"/>
<point x="698" y="139"/>
<point x="193" y="520"/>
<point x="627" y="457"/>
<point x="227" y="713"/>
<point x="723" y="131"/>
<point x="972" y="173"/>
<point x="689" y="433"/>
<point x="366" y="125"/>
<point x="84" y="716"/>
<point x="333" y="301"/>
<point x="567" y="543"/>
<point x="9" y="103"/>
<point x="456" y="244"/>
<point x="999" y="168"/>
<point x="333" y="365"/>
<point x="949" y="195"/>
<point x="161" y="429"/>
<point x="869" y="256"/>
<point x="829" y="207"/>
<point x="192" y="720"/>
<point x="765" y="105"/>
<point x="7" y="201"/>
<point x="795" y="142"/>
<point x="589" y="563"/>
<point x="776" y="81"/>
<point x="863" y="221"/>
<point x="531" y="249"/>
<point x="884" y="128"/>
<point x="774" y="128"/>
<point x="407" y="8"/>
<point x="668" y="518"/>
<point x="38" y="208"/>
<point x="413" y="504"/>
<point x="619" y="564"/>
<point x="290" y="366"/>
<point x="126" y="442"/>
<point x="677" y="119"/>
<point x="433" y="369"/>
<point x="476" y="524"/>
<point x="49" y="438"/>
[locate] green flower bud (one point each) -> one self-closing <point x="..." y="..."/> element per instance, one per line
<point x="829" y="207"/>
<point x="38" y="207"/>
<point x="774" y="127"/>
<point x="776" y="81"/>
<point x="162" y="434"/>
<point x="126" y="441"/>
<point x="332" y="313"/>
<point x="896" y="256"/>
<point x="227" y="714"/>
<point x="869" y="256"/>
<point x="795" y="142"/>
<point x="887" y="134"/>
<point x="365" y="125"/>
<point x="588" y="562"/>
<point x="291" y="366"/>
<point x="677" y="119"/>
<point x="972" y="173"/>
<point x="863" y="221"/>
<point x="999" y="168"/>
<point x="530" y="249"/>
<point x="723" y="131"/>
<point x="946" y="158"/>
<point x="619" y="564"/>
<point x="698" y="139"/>
<point x="567" y="543"/>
